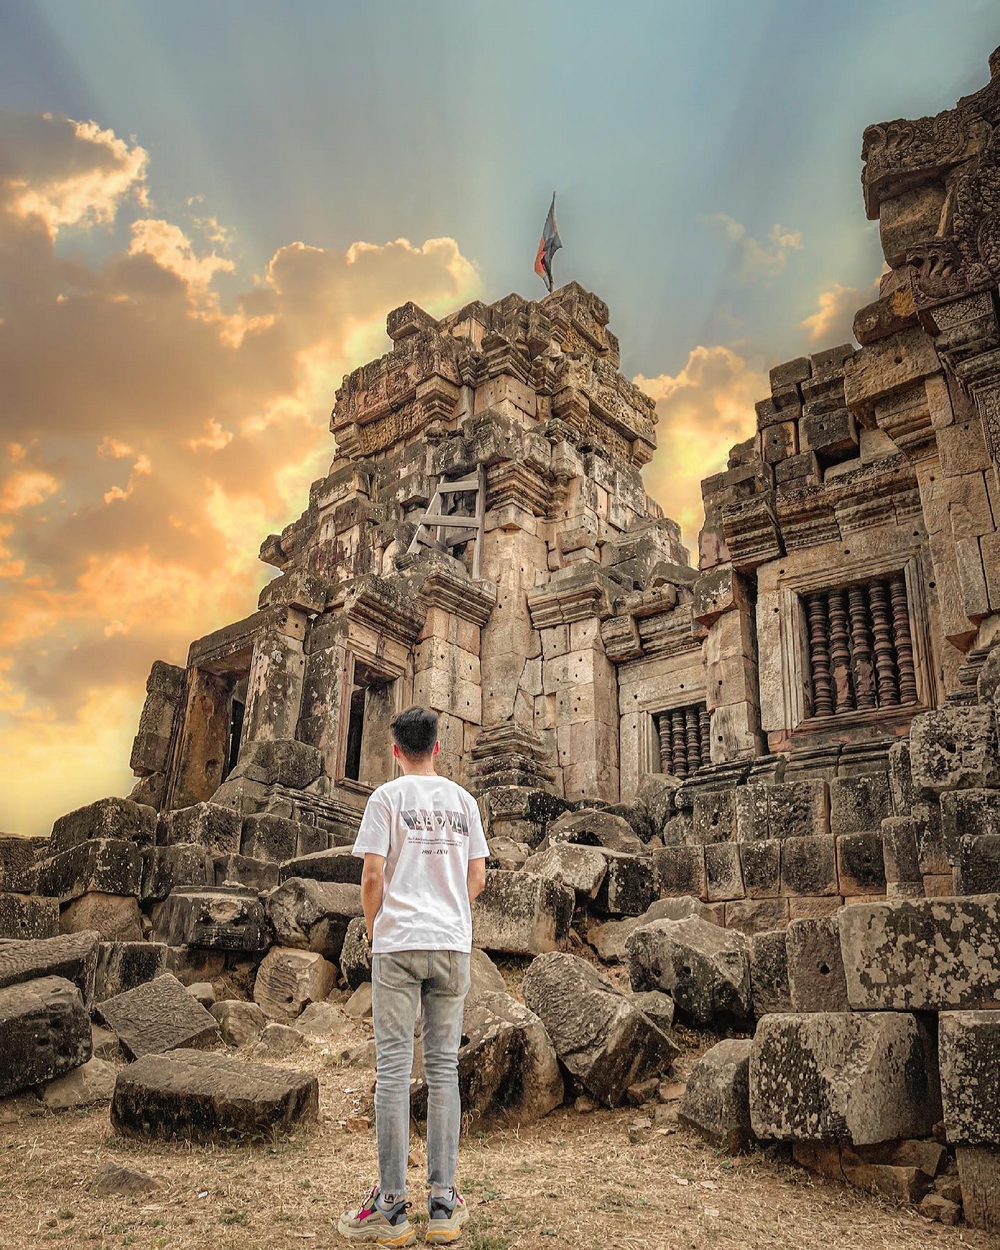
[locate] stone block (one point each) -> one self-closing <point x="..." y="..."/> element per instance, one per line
<point x="282" y="760"/>
<point x="121" y="966"/>
<point x="954" y="748"/>
<point x="716" y="1102"/>
<point x="769" y="973"/>
<point x="91" y="1083"/>
<point x="312" y="840"/>
<point x="211" y="1098"/>
<point x="860" y="864"/>
<point x="899" y="850"/>
<point x="723" y="871"/>
<point x="520" y="914"/>
<point x="757" y="915"/>
<point x="843" y="1077"/>
<point x="812" y="908"/>
<point x="761" y="866"/>
<point x="240" y="1024"/>
<point x="289" y="980"/>
<point x="337" y="864"/>
<point x="158" y="1016"/>
<point x="809" y="866"/>
<point x="356" y="954"/>
<point x="597" y="1031"/>
<point x="750" y="804"/>
<point x="798" y="809"/>
<point x="901" y="788"/>
<point x="937" y="843"/>
<point x="44" y="1032"/>
<point x="609" y="938"/>
<point x="210" y="825"/>
<point x="680" y="871"/>
<point x="706" y="969"/>
<point x="18" y="864"/>
<point x="900" y="1184"/>
<point x="259" y="875"/>
<point x="108" y="866"/>
<point x="816" y="977"/>
<point x="934" y="954"/>
<point x="24" y="916"/>
<point x="977" y="867"/>
<point x="269" y="837"/>
<point x="969" y="813"/>
<point x="628" y="887"/>
<point x="579" y="868"/>
<point x="313" y="915"/>
<point x="969" y="1053"/>
<point x="212" y="918"/>
<point x="859" y="804"/>
<point x="121" y="820"/>
<point x="979" y="1174"/>
<point x="73" y="957"/>
<point x="714" y="817"/>
<point x="115" y="918"/>
<point x="166" y="868"/>
<point x="591" y="827"/>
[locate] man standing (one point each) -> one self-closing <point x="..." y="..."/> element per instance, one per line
<point x="425" y="861"/>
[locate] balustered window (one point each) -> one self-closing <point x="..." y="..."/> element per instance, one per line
<point x="685" y="735"/>
<point x="860" y="644"/>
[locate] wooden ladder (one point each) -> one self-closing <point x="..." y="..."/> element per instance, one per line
<point x="465" y="528"/>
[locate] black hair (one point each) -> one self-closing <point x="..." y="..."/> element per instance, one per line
<point x="415" y="731"/>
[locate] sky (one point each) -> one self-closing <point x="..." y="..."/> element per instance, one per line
<point x="207" y="209"/>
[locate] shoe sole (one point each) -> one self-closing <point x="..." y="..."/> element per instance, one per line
<point x="379" y="1237"/>
<point x="451" y="1230"/>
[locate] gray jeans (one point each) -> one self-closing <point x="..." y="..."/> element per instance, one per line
<point x="439" y="981"/>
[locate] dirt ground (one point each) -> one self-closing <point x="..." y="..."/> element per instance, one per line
<point x="571" y="1180"/>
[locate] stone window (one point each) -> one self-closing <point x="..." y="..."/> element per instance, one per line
<point x="367" y="751"/>
<point x="860" y="647"/>
<point x="237" y="714"/>
<point x="684" y="734"/>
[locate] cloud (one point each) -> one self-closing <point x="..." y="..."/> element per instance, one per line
<point x="833" y="320"/>
<point x="703" y="410"/>
<point x="759" y="259"/>
<point x="151" y="432"/>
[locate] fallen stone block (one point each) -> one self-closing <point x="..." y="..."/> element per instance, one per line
<point x="121" y="820"/>
<point x="278" y="1041"/>
<point x="121" y="966"/>
<point x="816" y="977"/>
<point x="269" y="837"/>
<point x="359" y="1005"/>
<point x="26" y="916"/>
<point x="507" y="1066"/>
<point x="935" y="954"/>
<point x="598" y="1033"/>
<point x="44" y="1032"/>
<point x="108" y="866"/>
<point x="202" y="992"/>
<point x="900" y="1184"/>
<point x="356" y="954"/>
<point x="337" y="864"/>
<point x="484" y="977"/>
<point x="628" y="887"/>
<point x="212" y="918"/>
<point x="207" y="1098"/>
<point x="769" y="973"/>
<point x="507" y="853"/>
<point x="591" y="827"/>
<point x="114" y="917"/>
<point x="167" y="868"/>
<point x="716" y="1102"/>
<point x="979" y="1173"/>
<point x="655" y="796"/>
<point x="843" y="1077"/>
<point x="939" y="1209"/>
<point x="579" y="868"/>
<point x="823" y="1158"/>
<point x="210" y="825"/>
<point x="289" y="979"/>
<point x="92" y="1082"/>
<point x="969" y="1054"/>
<point x="240" y="1024"/>
<point x="657" y="1006"/>
<point x="609" y="938"/>
<point x="313" y="915"/>
<point x="954" y="748"/>
<point x="282" y="760"/>
<point x="248" y="874"/>
<point x="18" y="864"/>
<point x="156" y="1017"/>
<point x="71" y="956"/>
<point x="704" y="968"/>
<point x="520" y="914"/>
<point x="323" y="1020"/>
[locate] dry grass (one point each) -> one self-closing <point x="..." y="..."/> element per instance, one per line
<point x="571" y="1180"/>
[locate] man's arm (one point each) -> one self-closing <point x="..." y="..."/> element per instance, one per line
<point x="371" y="889"/>
<point x="476" y="878"/>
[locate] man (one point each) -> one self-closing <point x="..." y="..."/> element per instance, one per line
<point x="425" y="861"/>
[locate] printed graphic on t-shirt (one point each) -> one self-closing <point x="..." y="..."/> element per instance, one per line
<point x="434" y="821"/>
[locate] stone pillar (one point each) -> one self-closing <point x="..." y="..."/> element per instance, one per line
<point x="274" y="692"/>
<point x="204" y="738"/>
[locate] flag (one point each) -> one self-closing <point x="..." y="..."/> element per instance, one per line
<point x="548" y="245"/>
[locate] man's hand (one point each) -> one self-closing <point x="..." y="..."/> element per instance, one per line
<point x="476" y="878"/>
<point x="372" y="879"/>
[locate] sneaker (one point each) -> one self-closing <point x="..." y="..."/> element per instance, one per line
<point x="447" y="1215"/>
<point x="385" y="1226"/>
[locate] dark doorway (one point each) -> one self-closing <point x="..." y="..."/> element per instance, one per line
<point x="355" y="734"/>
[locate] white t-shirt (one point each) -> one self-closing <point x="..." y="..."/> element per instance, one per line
<point x="428" y="828"/>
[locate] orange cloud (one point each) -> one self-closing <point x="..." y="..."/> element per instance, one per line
<point x="703" y="410"/>
<point x="153" y="433"/>
<point x="833" y="320"/>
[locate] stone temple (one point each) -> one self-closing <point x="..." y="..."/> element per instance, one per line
<point x="767" y="782"/>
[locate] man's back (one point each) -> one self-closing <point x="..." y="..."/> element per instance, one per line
<point x="427" y="828"/>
